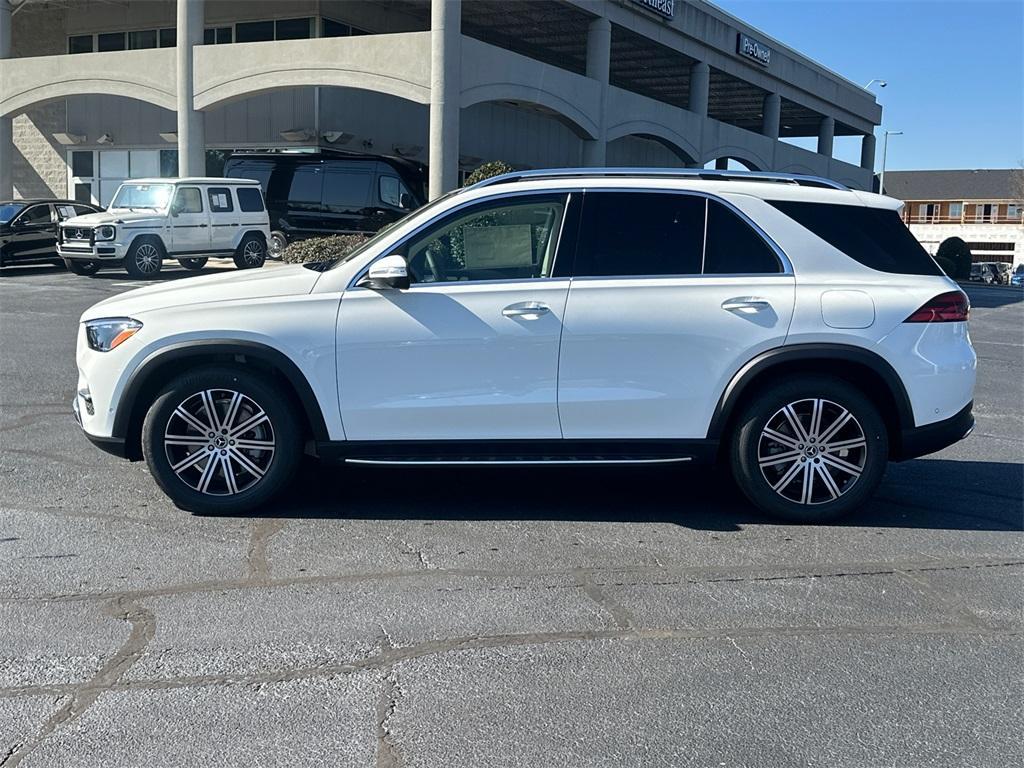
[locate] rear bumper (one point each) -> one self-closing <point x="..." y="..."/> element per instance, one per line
<point x="930" y="438"/>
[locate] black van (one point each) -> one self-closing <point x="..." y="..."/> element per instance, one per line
<point x="313" y="194"/>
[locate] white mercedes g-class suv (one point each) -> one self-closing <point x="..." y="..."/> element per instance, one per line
<point x="150" y="220"/>
<point x="784" y="325"/>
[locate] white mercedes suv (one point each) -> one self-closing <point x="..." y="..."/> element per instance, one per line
<point x="784" y="325"/>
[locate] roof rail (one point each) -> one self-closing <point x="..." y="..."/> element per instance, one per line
<point x="664" y="173"/>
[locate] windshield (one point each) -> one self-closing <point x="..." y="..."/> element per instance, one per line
<point x="9" y="210"/>
<point x="154" y="196"/>
<point x="384" y="231"/>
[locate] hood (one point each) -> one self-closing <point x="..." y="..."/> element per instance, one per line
<point x="112" y="217"/>
<point x="235" y="285"/>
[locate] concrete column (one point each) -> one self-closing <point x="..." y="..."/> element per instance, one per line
<point x="867" y="152"/>
<point x="826" y="135"/>
<point x="700" y="87"/>
<point x="445" y="94"/>
<point x="599" y="62"/>
<point x="191" y="124"/>
<point x="722" y="164"/>
<point x="6" y="130"/>
<point x="772" y="115"/>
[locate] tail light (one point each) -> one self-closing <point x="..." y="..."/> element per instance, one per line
<point x="951" y="307"/>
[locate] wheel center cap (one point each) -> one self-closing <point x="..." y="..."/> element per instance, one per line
<point x="220" y="442"/>
<point x="811" y="450"/>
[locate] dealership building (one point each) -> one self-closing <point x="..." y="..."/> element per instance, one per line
<point x="93" y="92"/>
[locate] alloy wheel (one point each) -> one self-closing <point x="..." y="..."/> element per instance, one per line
<point x="253" y="252"/>
<point x="147" y="258"/>
<point x="219" y="442"/>
<point x="812" y="451"/>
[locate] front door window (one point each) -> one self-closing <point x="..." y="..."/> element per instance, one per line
<point x="514" y="240"/>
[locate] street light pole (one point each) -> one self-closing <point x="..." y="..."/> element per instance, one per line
<point x="881" y="83"/>
<point x="885" y="148"/>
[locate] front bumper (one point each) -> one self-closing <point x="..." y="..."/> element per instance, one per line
<point x="930" y="438"/>
<point x="112" y="445"/>
<point x="101" y="251"/>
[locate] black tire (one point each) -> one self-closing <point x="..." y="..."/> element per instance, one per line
<point x="751" y="445"/>
<point x="278" y="242"/>
<point x="251" y="252"/>
<point x="82" y="267"/>
<point x="194" y="265"/>
<point x="145" y="258"/>
<point x="281" y="429"/>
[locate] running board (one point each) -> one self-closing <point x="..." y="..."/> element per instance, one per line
<point x="554" y="461"/>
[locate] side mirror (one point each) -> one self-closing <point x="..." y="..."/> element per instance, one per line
<point x="389" y="272"/>
<point x="405" y="201"/>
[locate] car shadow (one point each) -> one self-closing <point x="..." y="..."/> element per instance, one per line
<point x="928" y="494"/>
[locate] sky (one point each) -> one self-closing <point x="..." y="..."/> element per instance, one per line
<point x="955" y="72"/>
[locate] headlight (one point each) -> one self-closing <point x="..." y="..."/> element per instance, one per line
<point x="103" y="335"/>
<point x="106" y="232"/>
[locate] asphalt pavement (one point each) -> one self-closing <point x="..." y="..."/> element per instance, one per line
<point x="521" y="617"/>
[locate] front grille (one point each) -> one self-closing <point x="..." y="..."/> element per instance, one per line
<point x="77" y="233"/>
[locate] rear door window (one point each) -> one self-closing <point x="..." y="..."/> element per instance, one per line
<point x="220" y="200"/>
<point x="306" y="189"/>
<point x="640" y="233"/>
<point x="347" y="190"/>
<point x="874" y="237"/>
<point x="734" y="248"/>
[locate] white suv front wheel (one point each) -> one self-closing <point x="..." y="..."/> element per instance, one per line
<point x="221" y="441"/>
<point x="810" y="450"/>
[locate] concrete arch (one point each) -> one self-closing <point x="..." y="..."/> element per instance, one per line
<point x="741" y="155"/>
<point x="800" y="169"/>
<point x="675" y="142"/>
<point x="563" y="109"/>
<point x="232" y="72"/>
<point x="280" y="79"/>
<point x="25" y="82"/>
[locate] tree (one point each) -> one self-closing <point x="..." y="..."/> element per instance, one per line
<point x="487" y="170"/>
<point x="955" y="251"/>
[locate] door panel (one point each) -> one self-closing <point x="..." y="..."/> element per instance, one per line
<point x="190" y="223"/>
<point x="649" y="357"/>
<point x="451" y="361"/>
<point x="33" y="233"/>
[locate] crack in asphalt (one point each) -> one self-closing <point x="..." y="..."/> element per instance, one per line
<point x="619" y="616"/>
<point x="256" y="557"/>
<point x="387" y="657"/>
<point x="387" y="751"/>
<point x="683" y="575"/>
<point x="82" y="696"/>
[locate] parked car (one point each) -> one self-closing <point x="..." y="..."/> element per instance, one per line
<point x="982" y="272"/>
<point x="150" y="220"/>
<point x="784" y="325"/>
<point x="1001" y="270"/>
<point x="330" y="192"/>
<point x="1018" y="275"/>
<point x="28" y="229"/>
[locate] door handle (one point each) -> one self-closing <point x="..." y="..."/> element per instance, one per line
<point x="746" y="305"/>
<point x="527" y="310"/>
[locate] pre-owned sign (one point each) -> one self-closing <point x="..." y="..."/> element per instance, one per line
<point x="666" y="8"/>
<point x="750" y="48"/>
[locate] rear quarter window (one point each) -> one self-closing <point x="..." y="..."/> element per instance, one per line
<point x="874" y="237"/>
<point x="250" y="200"/>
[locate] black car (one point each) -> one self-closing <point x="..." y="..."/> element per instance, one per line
<point x="313" y="194"/>
<point x="28" y="229"/>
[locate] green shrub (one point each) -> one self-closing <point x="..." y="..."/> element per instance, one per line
<point x="946" y="265"/>
<point x="487" y="170"/>
<point x="321" y="248"/>
<point x="955" y="250"/>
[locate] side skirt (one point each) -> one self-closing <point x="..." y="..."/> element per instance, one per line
<point x="521" y="452"/>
